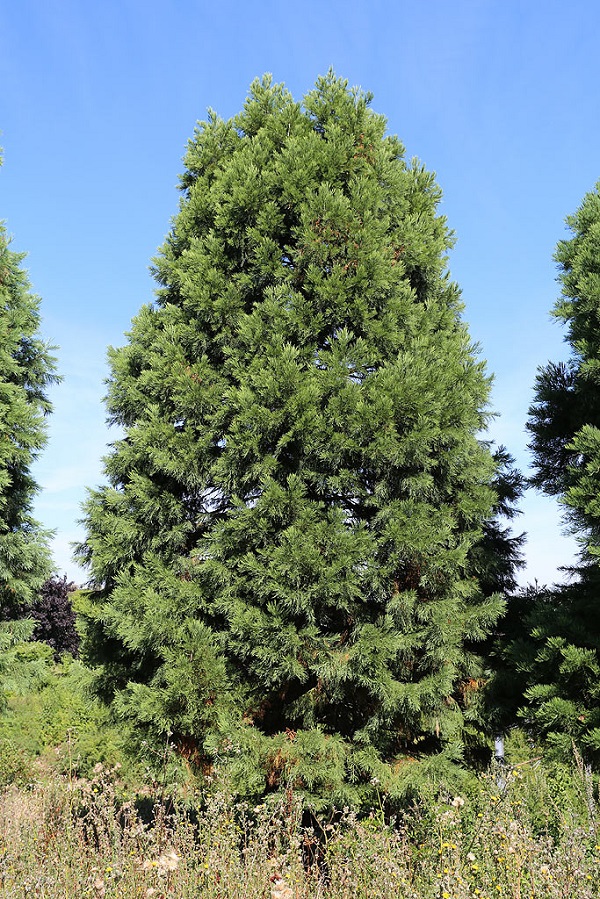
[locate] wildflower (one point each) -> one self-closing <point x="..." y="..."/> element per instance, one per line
<point x="470" y="856"/>
<point x="279" y="888"/>
<point x="99" y="887"/>
<point x="169" y="861"/>
<point x="458" y="802"/>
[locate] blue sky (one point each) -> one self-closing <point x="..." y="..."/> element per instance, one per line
<point x="499" y="98"/>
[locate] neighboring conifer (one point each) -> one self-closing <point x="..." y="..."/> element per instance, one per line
<point x="26" y="371"/>
<point x="284" y="556"/>
<point x="561" y="665"/>
<point x="495" y="561"/>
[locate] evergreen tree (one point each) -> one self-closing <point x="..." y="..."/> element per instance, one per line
<point x="561" y="662"/>
<point x="497" y="557"/>
<point x="26" y="370"/>
<point x="284" y="552"/>
<point x="496" y="560"/>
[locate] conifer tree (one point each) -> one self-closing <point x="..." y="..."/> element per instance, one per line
<point x="561" y="664"/>
<point x="26" y="370"/>
<point x="284" y="552"/>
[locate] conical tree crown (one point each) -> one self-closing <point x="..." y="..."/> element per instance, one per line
<point x="284" y="547"/>
<point x="26" y="371"/>
<point x="562" y="663"/>
<point x="565" y="416"/>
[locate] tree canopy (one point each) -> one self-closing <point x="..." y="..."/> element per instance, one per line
<point x="288" y="547"/>
<point x="563" y="665"/>
<point x="26" y="371"/>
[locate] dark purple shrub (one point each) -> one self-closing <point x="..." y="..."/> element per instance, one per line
<point x="55" y="617"/>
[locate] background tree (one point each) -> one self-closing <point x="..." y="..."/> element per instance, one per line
<point x="284" y="553"/>
<point x="498" y="556"/>
<point x="562" y="664"/>
<point x="26" y="371"/>
<point x="496" y="560"/>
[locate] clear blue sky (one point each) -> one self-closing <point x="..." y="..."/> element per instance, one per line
<point x="500" y="98"/>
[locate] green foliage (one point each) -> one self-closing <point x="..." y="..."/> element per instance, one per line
<point x="10" y="635"/>
<point x="54" y="723"/>
<point x="286" y="552"/>
<point x="565" y="415"/>
<point x="26" y="371"/>
<point x="24" y="668"/>
<point x="560" y="661"/>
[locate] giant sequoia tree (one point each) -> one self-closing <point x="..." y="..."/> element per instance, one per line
<point x="562" y="663"/>
<point x="283" y="555"/>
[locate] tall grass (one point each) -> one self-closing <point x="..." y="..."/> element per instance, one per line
<point x="517" y="833"/>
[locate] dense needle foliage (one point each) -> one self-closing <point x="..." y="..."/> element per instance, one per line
<point x="287" y="549"/>
<point x="561" y="664"/>
<point x="26" y="371"/>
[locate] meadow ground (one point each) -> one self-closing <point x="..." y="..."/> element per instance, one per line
<point x="517" y="833"/>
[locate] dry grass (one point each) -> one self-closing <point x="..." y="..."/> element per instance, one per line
<point x="82" y="839"/>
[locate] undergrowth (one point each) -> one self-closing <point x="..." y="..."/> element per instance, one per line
<point x="81" y="815"/>
<point x="518" y="833"/>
